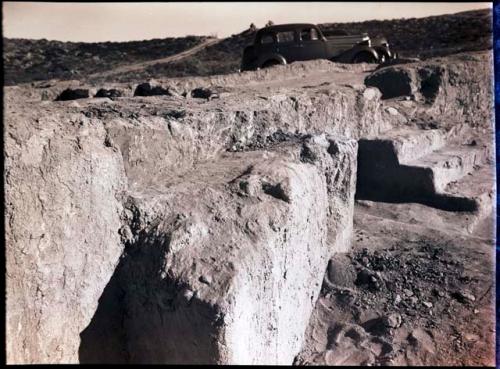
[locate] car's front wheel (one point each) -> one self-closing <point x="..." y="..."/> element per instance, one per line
<point x="364" y="57"/>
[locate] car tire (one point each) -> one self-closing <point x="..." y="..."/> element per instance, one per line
<point x="364" y="57"/>
<point x="384" y="56"/>
<point x="270" y="63"/>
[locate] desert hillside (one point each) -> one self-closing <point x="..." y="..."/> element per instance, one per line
<point x="430" y="36"/>
<point x="34" y="60"/>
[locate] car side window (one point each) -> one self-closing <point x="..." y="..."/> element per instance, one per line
<point x="314" y="34"/>
<point x="284" y="37"/>
<point x="267" y="39"/>
<point x="309" y="34"/>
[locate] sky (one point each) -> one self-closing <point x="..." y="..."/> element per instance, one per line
<point x="95" y="22"/>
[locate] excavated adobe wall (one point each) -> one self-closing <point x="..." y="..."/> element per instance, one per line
<point x="62" y="215"/>
<point x="92" y="268"/>
<point x="225" y="266"/>
<point x="461" y="90"/>
<point x="68" y="175"/>
<point x="174" y="138"/>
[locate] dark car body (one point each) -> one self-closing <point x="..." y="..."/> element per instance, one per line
<point x="287" y="43"/>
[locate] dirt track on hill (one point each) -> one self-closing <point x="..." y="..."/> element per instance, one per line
<point x="168" y="59"/>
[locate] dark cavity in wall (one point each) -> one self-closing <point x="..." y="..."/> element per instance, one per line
<point x="431" y="79"/>
<point x="146" y="316"/>
<point x="381" y="178"/>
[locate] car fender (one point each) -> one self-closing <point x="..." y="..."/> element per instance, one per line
<point x="348" y="55"/>
<point x="267" y="57"/>
<point x="361" y="48"/>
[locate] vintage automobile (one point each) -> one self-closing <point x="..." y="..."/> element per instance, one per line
<point x="287" y="43"/>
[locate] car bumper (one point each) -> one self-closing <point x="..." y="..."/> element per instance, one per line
<point x="388" y="54"/>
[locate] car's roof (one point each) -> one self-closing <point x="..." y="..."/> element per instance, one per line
<point x="282" y="27"/>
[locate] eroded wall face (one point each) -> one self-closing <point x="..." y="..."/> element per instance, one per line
<point x="99" y="283"/>
<point x="225" y="266"/>
<point x="62" y="216"/>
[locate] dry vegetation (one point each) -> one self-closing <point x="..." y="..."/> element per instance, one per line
<point x="35" y="60"/>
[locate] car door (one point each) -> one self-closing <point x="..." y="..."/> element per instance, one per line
<point x="267" y="44"/>
<point x="288" y="45"/>
<point x="312" y="46"/>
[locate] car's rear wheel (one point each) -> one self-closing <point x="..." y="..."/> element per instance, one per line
<point x="270" y="63"/>
<point x="364" y="57"/>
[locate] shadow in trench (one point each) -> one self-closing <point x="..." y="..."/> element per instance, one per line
<point x="146" y="316"/>
<point x="103" y="341"/>
<point x="438" y="201"/>
<point x="381" y="178"/>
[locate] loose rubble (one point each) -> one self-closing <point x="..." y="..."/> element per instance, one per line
<point x="73" y="94"/>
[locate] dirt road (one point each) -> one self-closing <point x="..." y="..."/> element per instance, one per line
<point x="168" y="59"/>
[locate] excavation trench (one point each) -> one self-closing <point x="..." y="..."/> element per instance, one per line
<point x="254" y="249"/>
<point x="137" y="300"/>
<point x="381" y="177"/>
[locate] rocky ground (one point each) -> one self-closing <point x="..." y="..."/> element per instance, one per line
<point x="141" y="214"/>
<point x="405" y="296"/>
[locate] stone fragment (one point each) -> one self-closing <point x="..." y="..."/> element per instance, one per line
<point x="206" y="279"/>
<point x="392" y="111"/>
<point x="407" y="292"/>
<point x="150" y="89"/>
<point x="371" y="93"/>
<point x="340" y="272"/>
<point x="397" y="299"/>
<point x="392" y="320"/>
<point x="201" y="93"/>
<point x="471" y="337"/>
<point x="369" y="280"/>
<point x="463" y="296"/>
<point x="420" y="339"/>
<point x="73" y="94"/>
<point x="414" y="300"/>
<point x="110" y="93"/>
